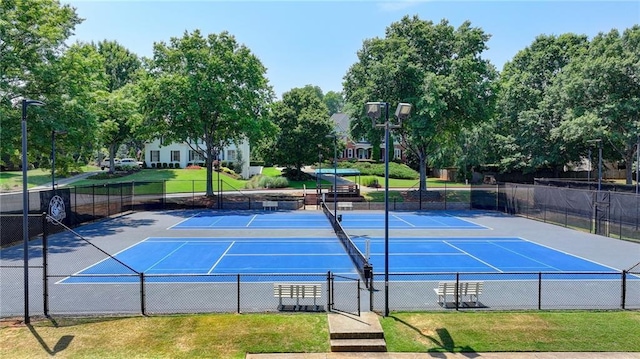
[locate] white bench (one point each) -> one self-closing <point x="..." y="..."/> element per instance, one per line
<point x="472" y="290"/>
<point x="297" y="291"/>
<point x="273" y="205"/>
<point x="345" y="205"/>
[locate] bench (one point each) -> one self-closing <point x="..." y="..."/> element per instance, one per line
<point x="297" y="291"/>
<point x="345" y="190"/>
<point x="472" y="290"/>
<point x="272" y="205"/>
<point x="345" y="205"/>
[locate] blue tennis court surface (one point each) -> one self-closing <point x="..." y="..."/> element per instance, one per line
<point x="205" y="256"/>
<point x="197" y="258"/>
<point x="350" y="220"/>
<point x="467" y="255"/>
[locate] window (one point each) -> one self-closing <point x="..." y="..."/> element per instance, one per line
<point x="155" y="155"/>
<point x="175" y="156"/>
<point x="397" y="153"/>
<point x="349" y="152"/>
<point x="231" y="155"/>
<point x="195" y="156"/>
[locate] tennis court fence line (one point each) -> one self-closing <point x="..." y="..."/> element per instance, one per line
<point x="154" y="294"/>
<point x="607" y="213"/>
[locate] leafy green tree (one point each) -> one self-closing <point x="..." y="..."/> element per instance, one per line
<point x="303" y="122"/>
<point x="435" y="67"/>
<point x="205" y="90"/>
<point x="525" y="122"/>
<point x="118" y="116"/>
<point x="121" y="65"/>
<point x="334" y="101"/>
<point x="32" y="34"/>
<point x="117" y="108"/>
<point x="597" y="96"/>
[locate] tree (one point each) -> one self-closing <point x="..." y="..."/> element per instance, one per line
<point x="597" y="96"/>
<point x="32" y="34"/>
<point x="334" y="101"/>
<point x="205" y="90"/>
<point x="118" y="106"/>
<point x="525" y="122"/>
<point x="303" y="122"/>
<point x="121" y="65"/>
<point x="436" y="68"/>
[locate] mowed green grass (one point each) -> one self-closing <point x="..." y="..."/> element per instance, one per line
<point x="234" y="335"/>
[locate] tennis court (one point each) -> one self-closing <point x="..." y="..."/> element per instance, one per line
<point x="193" y="259"/>
<point x="350" y="220"/>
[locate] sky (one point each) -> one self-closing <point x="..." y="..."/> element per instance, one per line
<point x="316" y="42"/>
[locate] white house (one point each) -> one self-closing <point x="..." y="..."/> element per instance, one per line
<point x="156" y="153"/>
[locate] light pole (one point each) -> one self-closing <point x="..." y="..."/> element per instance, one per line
<point x="53" y="156"/>
<point x="599" y="142"/>
<point x="335" y="173"/>
<point x="637" y="161"/>
<point x="25" y="205"/>
<point x="374" y="110"/>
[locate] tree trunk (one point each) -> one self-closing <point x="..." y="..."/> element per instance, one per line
<point x="422" y="158"/>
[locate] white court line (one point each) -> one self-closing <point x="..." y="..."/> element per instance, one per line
<point x="184" y="220"/>
<point x="402" y="220"/>
<point x="222" y="256"/>
<point x="529" y="258"/>
<point x="167" y="256"/>
<point x="474" y="257"/>
<point x="252" y="219"/>
<point x="467" y="221"/>
<point x="569" y="254"/>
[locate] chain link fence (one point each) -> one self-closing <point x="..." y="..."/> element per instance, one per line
<point x="612" y="214"/>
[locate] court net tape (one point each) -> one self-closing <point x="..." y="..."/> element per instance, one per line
<point x="357" y="257"/>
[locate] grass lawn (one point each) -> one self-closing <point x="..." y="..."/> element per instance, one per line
<point x="178" y="180"/>
<point x="233" y="335"/>
<point x="513" y="331"/>
<point x="12" y="180"/>
<point x="407" y="183"/>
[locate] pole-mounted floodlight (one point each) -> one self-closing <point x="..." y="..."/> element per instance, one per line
<point x="374" y="111"/>
<point x="25" y="205"/>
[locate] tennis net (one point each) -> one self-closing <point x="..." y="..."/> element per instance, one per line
<point x="360" y="261"/>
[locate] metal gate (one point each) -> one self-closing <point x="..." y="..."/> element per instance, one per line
<point x="601" y="213"/>
<point x="344" y="294"/>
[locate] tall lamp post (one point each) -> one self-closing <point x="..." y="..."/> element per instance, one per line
<point x="374" y="111"/>
<point x="53" y="156"/>
<point x="599" y="142"/>
<point x="335" y="173"/>
<point x="25" y="205"/>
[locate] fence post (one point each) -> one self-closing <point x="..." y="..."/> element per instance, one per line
<point x="238" y="292"/>
<point x="45" y="287"/>
<point x="371" y="292"/>
<point x="455" y="290"/>
<point x="329" y="294"/>
<point x="539" y="290"/>
<point x="623" y="303"/>
<point x="358" y="289"/>
<point x="143" y="299"/>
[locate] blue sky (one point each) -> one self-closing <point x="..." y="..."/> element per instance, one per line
<point x="315" y="42"/>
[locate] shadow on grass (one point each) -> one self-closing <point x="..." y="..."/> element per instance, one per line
<point x="444" y="341"/>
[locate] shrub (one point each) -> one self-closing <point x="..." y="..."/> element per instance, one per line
<point x="164" y="165"/>
<point x="260" y="181"/>
<point x="153" y="165"/>
<point x="176" y="165"/>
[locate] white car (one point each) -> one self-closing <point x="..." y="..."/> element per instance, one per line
<point x="106" y="163"/>
<point x="129" y="162"/>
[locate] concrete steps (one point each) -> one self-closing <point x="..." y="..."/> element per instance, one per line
<point x="352" y="333"/>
